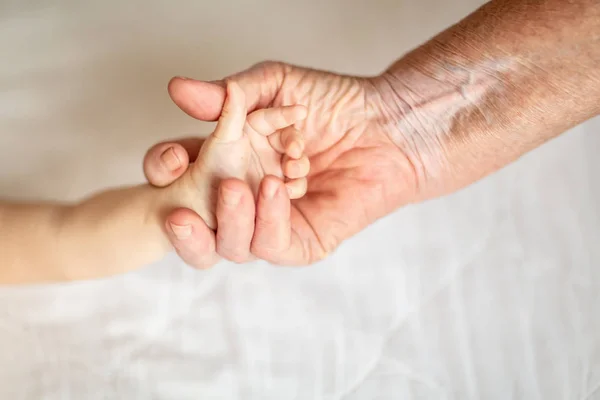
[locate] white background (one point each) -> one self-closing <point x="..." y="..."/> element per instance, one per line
<point x="492" y="293"/>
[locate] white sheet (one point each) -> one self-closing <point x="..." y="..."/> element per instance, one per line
<point x="488" y="294"/>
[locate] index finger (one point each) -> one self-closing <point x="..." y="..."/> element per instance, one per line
<point x="267" y="121"/>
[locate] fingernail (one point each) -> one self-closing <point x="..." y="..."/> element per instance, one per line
<point x="181" y="232"/>
<point x="183" y="78"/>
<point x="295" y="150"/>
<point x="170" y="159"/>
<point x="230" y="197"/>
<point x="270" y="189"/>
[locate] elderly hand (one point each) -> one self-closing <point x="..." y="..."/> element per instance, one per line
<point x="461" y="106"/>
<point x="358" y="171"/>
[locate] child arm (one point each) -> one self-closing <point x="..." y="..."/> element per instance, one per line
<point x="119" y="230"/>
<point x="109" y="233"/>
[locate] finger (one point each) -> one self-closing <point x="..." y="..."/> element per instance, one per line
<point x="164" y="163"/>
<point x="235" y="217"/>
<point x="233" y="117"/>
<point x="272" y="230"/>
<point x="198" y="99"/>
<point x="192" y="146"/>
<point x="167" y="161"/>
<point x="288" y="141"/>
<point x="296" y="188"/>
<point x="261" y="83"/>
<point x="193" y="241"/>
<point x="204" y="100"/>
<point x="273" y="240"/>
<point x="267" y="121"/>
<point x="294" y="169"/>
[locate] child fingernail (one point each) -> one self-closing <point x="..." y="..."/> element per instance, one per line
<point x="181" y="232"/>
<point x="294" y="150"/>
<point x="230" y="197"/>
<point x="270" y="189"/>
<point x="170" y="159"/>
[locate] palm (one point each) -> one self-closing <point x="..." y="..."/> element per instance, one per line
<point x="250" y="159"/>
<point x="245" y="141"/>
<point x="357" y="174"/>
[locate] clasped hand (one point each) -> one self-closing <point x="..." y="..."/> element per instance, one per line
<point x="357" y="173"/>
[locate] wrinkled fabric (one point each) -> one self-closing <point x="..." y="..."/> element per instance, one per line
<point x="491" y="293"/>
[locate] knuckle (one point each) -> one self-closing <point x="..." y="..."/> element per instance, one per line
<point x="237" y="257"/>
<point x="251" y="123"/>
<point x="276" y="119"/>
<point x="267" y="249"/>
<point x="290" y="114"/>
<point x="225" y="112"/>
<point x="198" y="263"/>
<point x="263" y="252"/>
<point x="234" y="254"/>
<point x="268" y="65"/>
<point x="201" y="266"/>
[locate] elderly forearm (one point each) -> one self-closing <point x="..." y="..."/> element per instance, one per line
<point x="504" y="80"/>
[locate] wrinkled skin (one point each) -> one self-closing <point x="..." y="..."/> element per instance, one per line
<point x="358" y="174"/>
<point x="241" y="147"/>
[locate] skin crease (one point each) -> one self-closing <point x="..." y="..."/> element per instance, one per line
<point x="548" y="83"/>
<point x="433" y="105"/>
<point x="504" y="80"/>
<point x="118" y="230"/>
<point x="336" y="181"/>
<point x="240" y="148"/>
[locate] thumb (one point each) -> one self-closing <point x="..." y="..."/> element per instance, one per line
<point x="233" y="117"/>
<point x="166" y="161"/>
<point x="204" y="100"/>
<point x="198" y="99"/>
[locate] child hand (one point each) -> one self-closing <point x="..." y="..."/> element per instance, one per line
<point x="247" y="147"/>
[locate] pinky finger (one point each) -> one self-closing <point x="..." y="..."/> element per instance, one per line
<point x="288" y="141"/>
<point x="295" y="168"/>
<point x="296" y="188"/>
<point x="267" y="121"/>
